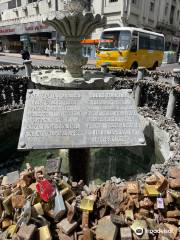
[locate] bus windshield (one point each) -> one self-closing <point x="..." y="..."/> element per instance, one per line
<point x="112" y="40"/>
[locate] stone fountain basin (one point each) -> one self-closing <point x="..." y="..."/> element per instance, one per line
<point x="59" y="79"/>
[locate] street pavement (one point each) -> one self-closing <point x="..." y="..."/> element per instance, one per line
<point x="13" y="58"/>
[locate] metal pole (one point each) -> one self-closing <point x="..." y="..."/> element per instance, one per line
<point x="79" y="163"/>
<point x="172" y="97"/>
<point x="140" y="76"/>
<point x="28" y="69"/>
<point x="104" y="68"/>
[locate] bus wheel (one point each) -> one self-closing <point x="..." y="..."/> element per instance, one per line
<point x="155" y="66"/>
<point x="134" y="66"/>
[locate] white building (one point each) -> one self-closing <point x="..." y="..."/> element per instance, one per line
<point x="156" y="15"/>
<point x="20" y="21"/>
<point x="20" y="25"/>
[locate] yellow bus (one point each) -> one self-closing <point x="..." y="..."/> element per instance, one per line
<point x="129" y="47"/>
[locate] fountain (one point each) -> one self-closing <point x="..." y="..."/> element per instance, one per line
<point x="75" y="26"/>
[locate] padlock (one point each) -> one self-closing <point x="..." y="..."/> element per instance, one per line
<point x="85" y="219"/>
<point x="38" y="209"/>
<point x="53" y="165"/>
<point x="66" y="192"/>
<point x="129" y="215"/>
<point x="4" y="181"/>
<point x="26" y="232"/>
<point x="45" y="189"/>
<point x="151" y="190"/>
<point x="13" y="177"/>
<point x="10" y="231"/>
<point x="6" y="223"/>
<point x="67" y="227"/>
<point x="18" y="201"/>
<point x="7" y="205"/>
<point x="139" y="227"/>
<point x="59" y="207"/>
<point x="44" y="233"/>
<point x="39" y="171"/>
<point x="174" y="193"/>
<point x="87" y="233"/>
<point x="86" y="205"/>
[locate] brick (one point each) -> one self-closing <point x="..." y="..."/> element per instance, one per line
<point x="67" y="227"/>
<point x="133" y="187"/>
<point x="174" y="183"/>
<point x="125" y="233"/>
<point x="106" y="230"/>
<point x="26" y="232"/>
<point x="174" y="172"/>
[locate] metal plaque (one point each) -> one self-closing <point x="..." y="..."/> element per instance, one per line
<point x="80" y="119"/>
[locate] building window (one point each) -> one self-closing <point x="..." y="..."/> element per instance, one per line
<point x="113" y="1"/>
<point x="166" y="9"/>
<point x="31" y="1"/>
<point x="14" y="3"/>
<point x="134" y="2"/>
<point x="172" y="14"/>
<point x="177" y="15"/>
<point x="152" y="6"/>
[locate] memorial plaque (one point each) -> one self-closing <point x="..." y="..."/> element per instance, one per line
<point x="80" y="119"/>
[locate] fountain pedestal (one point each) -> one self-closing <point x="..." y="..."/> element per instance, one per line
<point x="74" y="27"/>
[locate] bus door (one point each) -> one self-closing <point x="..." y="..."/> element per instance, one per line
<point x="133" y="51"/>
<point x="144" y="59"/>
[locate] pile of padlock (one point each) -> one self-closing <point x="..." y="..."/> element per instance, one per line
<point x="40" y="203"/>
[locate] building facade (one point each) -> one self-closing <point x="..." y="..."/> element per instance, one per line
<point x="21" y="26"/>
<point x="156" y="15"/>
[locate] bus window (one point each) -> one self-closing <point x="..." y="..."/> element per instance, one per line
<point x="115" y="40"/>
<point x="109" y="40"/>
<point x="143" y="41"/>
<point x="124" y="40"/>
<point x="134" y="45"/>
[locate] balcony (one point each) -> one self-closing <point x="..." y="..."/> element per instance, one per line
<point x="166" y="26"/>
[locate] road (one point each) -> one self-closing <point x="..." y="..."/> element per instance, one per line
<point x="52" y="61"/>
